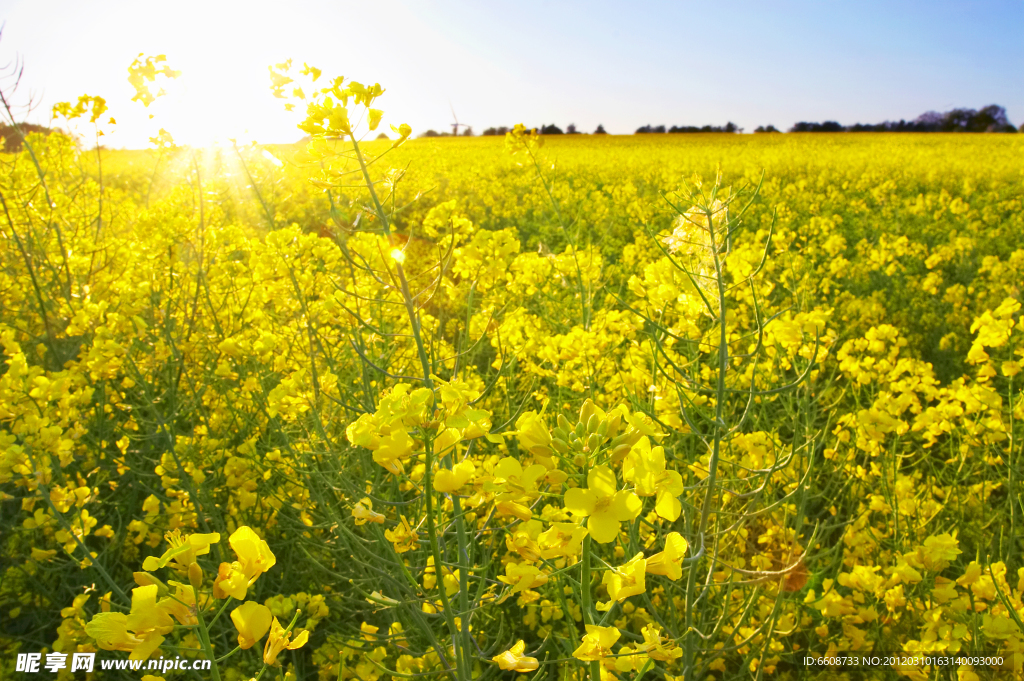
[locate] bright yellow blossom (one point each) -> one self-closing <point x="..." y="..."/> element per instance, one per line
<point x="597" y="643"/>
<point x="253" y="553"/>
<point x="404" y="537"/>
<point x="252" y="620"/>
<point x="450" y="481"/>
<point x="522" y="577"/>
<point x="363" y="513"/>
<point x="645" y="468"/>
<point x="604" y="504"/>
<point x="279" y="640"/>
<point x="629" y="580"/>
<point x="141" y="631"/>
<point x="670" y="561"/>
<point x="665" y="651"/>
<point x="514" y="660"/>
<point x="183" y="551"/>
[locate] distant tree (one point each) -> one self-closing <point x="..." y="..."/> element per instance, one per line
<point x="647" y="129"/>
<point x="862" y="127"/>
<point x="991" y="118"/>
<point x="827" y="126"/>
<point x="728" y="127"/>
<point x="600" y="130"/>
<point x="958" y="120"/>
<point x="468" y="132"/>
<point x="761" y="128"/>
<point x="571" y="129"/>
<point x="929" y="121"/>
<point x="496" y="131"/>
<point x="12" y="141"/>
<point x="550" y="130"/>
<point x="431" y="133"/>
<point x="383" y="136"/>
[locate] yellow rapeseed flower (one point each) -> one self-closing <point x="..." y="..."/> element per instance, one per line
<point x="645" y="468"/>
<point x="183" y="550"/>
<point x="597" y="643"/>
<point x="404" y="537"/>
<point x="449" y="481"/>
<point x="629" y="580"/>
<point x="141" y="631"/>
<point x="252" y="620"/>
<point x="666" y="651"/>
<point x="670" y="561"/>
<point x="604" y="504"/>
<point x="523" y="576"/>
<point x="253" y="553"/>
<point x="363" y="513"/>
<point x="279" y="640"/>
<point x="514" y="660"/>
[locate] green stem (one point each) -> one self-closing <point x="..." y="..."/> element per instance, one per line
<point x="221" y="611"/>
<point x="435" y="551"/>
<point x="204" y="637"/>
<point x="588" y="614"/>
<point x="643" y="670"/>
<point x="464" y="612"/>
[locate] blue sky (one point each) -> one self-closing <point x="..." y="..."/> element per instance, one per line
<point x="622" y="64"/>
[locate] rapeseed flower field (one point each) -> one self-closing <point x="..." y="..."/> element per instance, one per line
<point x="606" y="407"/>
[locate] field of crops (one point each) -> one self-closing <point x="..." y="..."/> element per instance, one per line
<point x="674" y="406"/>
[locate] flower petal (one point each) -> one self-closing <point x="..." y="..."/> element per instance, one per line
<point x="580" y="501"/>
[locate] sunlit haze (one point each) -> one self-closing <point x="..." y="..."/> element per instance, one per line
<point x="622" y="65"/>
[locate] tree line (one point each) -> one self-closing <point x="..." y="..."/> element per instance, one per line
<point x="12" y="139"/>
<point x="991" y="118"/>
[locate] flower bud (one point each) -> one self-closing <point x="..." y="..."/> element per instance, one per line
<point x="195" y="576"/>
<point x="563" y="423"/>
<point x="146" y="579"/>
<point x="619" y="453"/>
<point x="592" y="423"/>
